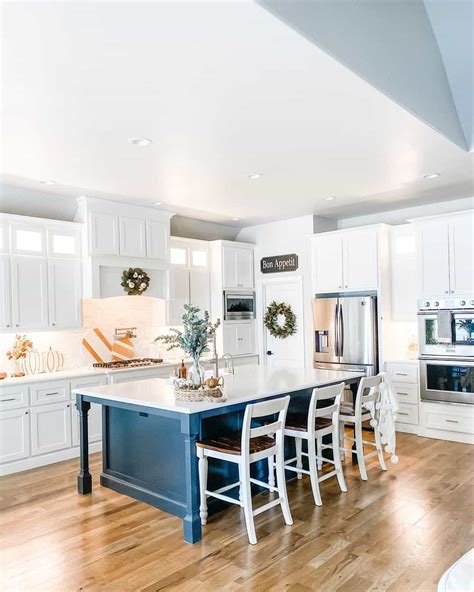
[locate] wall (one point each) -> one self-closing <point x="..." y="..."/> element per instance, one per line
<point x="280" y="238"/>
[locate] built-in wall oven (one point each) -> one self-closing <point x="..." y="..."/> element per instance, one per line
<point x="446" y="340"/>
<point x="239" y="305"/>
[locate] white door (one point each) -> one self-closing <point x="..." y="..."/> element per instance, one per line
<point x="50" y="427"/>
<point x="200" y="290"/>
<point x="29" y="292"/>
<point x="288" y="352"/>
<point x="433" y="256"/>
<point x="229" y="264"/>
<point x="14" y="435"/>
<point x="244" y="262"/>
<point x="104" y="234"/>
<point x="179" y="294"/>
<point x="327" y="263"/>
<point x="65" y="290"/>
<point x="132" y="237"/>
<point x="5" y="293"/>
<point x="360" y="260"/>
<point x="461" y="254"/>
<point x="157" y="239"/>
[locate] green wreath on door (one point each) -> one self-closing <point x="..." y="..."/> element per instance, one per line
<point x="270" y="320"/>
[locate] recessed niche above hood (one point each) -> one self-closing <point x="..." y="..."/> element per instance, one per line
<point x="124" y="311"/>
<point x="110" y="278"/>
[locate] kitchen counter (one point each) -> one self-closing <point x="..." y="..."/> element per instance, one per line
<point x="149" y="439"/>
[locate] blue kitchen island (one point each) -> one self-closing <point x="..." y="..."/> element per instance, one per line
<point x="149" y="438"/>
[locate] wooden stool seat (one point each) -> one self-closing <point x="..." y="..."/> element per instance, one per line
<point x="232" y="443"/>
<point x="347" y="409"/>
<point x="299" y="421"/>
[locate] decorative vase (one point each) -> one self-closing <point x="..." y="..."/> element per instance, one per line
<point x="196" y="372"/>
<point x="18" y="367"/>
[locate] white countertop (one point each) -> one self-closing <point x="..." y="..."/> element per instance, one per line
<point x="247" y="384"/>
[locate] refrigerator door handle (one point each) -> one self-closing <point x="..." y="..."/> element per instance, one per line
<point x="336" y="330"/>
<point x="341" y="323"/>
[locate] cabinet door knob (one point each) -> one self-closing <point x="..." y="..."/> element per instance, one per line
<point x="446" y="291"/>
<point x="7" y="326"/>
<point x="53" y="324"/>
<point x="18" y="324"/>
<point x="269" y="353"/>
<point x="452" y="291"/>
<point x="346" y="286"/>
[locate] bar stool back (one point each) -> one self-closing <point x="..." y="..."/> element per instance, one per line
<point x="368" y="392"/>
<point x="252" y="445"/>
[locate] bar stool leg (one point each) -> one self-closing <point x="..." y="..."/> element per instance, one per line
<point x="341" y="440"/>
<point x="202" y="467"/>
<point x="337" y="458"/>
<point x="319" y="443"/>
<point x="299" y="456"/>
<point x="271" y="471"/>
<point x="282" y="493"/>
<point x="360" y="450"/>
<point x="244" y="476"/>
<point x="313" y="471"/>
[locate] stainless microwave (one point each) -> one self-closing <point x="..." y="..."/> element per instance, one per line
<point x="239" y="306"/>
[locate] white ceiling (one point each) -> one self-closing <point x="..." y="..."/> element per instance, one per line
<point x="224" y="90"/>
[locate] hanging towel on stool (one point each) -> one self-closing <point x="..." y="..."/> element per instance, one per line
<point x="445" y="333"/>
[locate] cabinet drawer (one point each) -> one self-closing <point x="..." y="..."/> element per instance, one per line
<point x="403" y="373"/>
<point x="445" y="417"/>
<point x="49" y="392"/>
<point x="408" y="414"/>
<point x="406" y="392"/>
<point x="85" y="382"/>
<point x="13" y="397"/>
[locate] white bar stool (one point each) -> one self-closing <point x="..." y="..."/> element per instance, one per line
<point x="251" y="445"/>
<point x="312" y="428"/>
<point x="368" y="392"/>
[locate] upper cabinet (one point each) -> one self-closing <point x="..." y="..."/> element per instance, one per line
<point x="445" y="250"/>
<point x="346" y="260"/>
<point x="237" y="267"/>
<point x="125" y="230"/>
<point x="403" y="272"/>
<point x="40" y="274"/>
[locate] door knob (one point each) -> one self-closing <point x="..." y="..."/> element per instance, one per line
<point x="269" y="353"/>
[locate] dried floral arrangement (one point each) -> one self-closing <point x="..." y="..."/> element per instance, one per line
<point x="21" y="346"/>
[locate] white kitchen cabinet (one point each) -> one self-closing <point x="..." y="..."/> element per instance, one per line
<point x="179" y="294"/>
<point x="65" y="292"/>
<point x="141" y="374"/>
<point x="13" y="397"/>
<point x="27" y="239"/>
<point x="237" y="267"/>
<point x="360" y="260"/>
<point x="239" y="338"/>
<point x="50" y="427"/>
<point x="132" y="233"/>
<point x="64" y="244"/>
<point x="49" y="391"/>
<point x="157" y="239"/>
<point x="345" y="261"/>
<point x="29" y="292"/>
<point x="103" y="234"/>
<point x="445" y="251"/>
<point x="4" y="237"/>
<point x="403" y="273"/>
<point x="5" y="293"/>
<point x="199" y="289"/>
<point x="14" y="435"/>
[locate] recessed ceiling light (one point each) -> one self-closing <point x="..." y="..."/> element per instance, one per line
<point x="255" y="176"/>
<point x="157" y="203"/>
<point x="48" y="182"/>
<point x="329" y="198"/>
<point x="235" y="219"/>
<point x="140" y="141"/>
<point x="431" y="176"/>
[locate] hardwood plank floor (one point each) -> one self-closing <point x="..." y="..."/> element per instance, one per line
<point x="397" y="532"/>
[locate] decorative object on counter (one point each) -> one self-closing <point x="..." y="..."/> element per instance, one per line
<point x="123" y="348"/>
<point x="184" y="390"/>
<point x="3" y="375"/>
<point x="271" y="320"/>
<point x="135" y="363"/>
<point x="182" y="370"/>
<point x="21" y="346"/>
<point x="96" y="347"/>
<point x="33" y="362"/>
<point x="53" y="360"/>
<point x="193" y="340"/>
<point x="214" y="382"/>
<point x="135" y="281"/>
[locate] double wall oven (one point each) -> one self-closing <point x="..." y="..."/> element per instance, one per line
<point x="446" y="334"/>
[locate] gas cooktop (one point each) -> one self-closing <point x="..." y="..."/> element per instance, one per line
<point x="133" y="363"/>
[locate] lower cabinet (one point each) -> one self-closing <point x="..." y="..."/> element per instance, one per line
<point x="14" y="435"/>
<point x="239" y="338"/>
<point x="50" y="427"/>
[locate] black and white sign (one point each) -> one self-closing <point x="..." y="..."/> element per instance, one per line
<point x="279" y="263"/>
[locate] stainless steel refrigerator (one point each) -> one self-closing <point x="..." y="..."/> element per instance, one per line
<point x="345" y="333"/>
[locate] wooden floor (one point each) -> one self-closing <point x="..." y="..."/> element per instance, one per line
<point x="399" y="531"/>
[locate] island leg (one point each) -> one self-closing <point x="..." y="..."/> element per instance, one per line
<point x="192" y="532"/>
<point x="84" y="479"/>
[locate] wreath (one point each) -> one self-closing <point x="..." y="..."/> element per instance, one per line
<point x="135" y="281"/>
<point x="270" y="320"/>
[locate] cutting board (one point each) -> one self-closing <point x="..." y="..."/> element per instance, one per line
<point x="96" y="347"/>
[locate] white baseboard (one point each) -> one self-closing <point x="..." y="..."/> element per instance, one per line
<point x="407" y="428"/>
<point x="45" y="459"/>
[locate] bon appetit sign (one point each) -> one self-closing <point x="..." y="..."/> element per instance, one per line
<point x="279" y="263"/>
